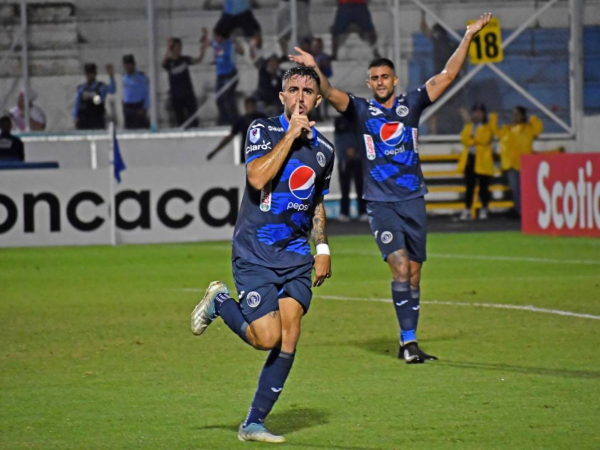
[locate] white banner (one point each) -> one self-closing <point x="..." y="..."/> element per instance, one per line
<point x="71" y="207"/>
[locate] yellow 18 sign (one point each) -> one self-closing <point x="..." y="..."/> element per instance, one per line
<point x="486" y="46"/>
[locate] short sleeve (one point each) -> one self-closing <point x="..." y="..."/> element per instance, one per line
<point x="324" y="185"/>
<point x="258" y="141"/>
<point x="419" y="98"/>
<point x="351" y="111"/>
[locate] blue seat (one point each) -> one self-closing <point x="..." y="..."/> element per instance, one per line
<point x="591" y="98"/>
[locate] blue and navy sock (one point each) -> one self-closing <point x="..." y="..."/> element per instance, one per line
<point x="407" y="315"/>
<point x="270" y="384"/>
<point x="416" y="304"/>
<point x="232" y="315"/>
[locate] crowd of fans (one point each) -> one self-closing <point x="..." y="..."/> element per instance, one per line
<point x="237" y="19"/>
<point x="237" y="32"/>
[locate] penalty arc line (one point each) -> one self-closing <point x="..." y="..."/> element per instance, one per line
<point x="529" y="308"/>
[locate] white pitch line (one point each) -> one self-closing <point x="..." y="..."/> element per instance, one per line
<point x="483" y="257"/>
<point x="529" y="308"/>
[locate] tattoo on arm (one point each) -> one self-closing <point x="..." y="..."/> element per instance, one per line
<point x="432" y="82"/>
<point x="318" y="231"/>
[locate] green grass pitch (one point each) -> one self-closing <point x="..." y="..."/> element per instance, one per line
<point x="96" y="351"/>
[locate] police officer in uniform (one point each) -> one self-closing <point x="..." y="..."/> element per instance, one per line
<point x="136" y="95"/>
<point x="89" y="110"/>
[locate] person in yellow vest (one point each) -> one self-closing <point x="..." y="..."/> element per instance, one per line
<point x="516" y="139"/>
<point x="476" y="159"/>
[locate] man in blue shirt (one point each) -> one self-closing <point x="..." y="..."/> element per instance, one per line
<point x="394" y="184"/>
<point x="89" y="109"/>
<point x="136" y="95"/>
<point x="288" y="167"/>
<point x="224" y="50"/>
<point x="238" y="14"/>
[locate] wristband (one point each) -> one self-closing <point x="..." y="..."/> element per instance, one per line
<point x="323" y="249"/>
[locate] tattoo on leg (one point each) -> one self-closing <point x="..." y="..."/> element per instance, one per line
<point x="274" y="313"/>
<point x="399" y="265"/>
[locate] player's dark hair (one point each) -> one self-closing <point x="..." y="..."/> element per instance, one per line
<point x="5" y="123"/>
<point x="302" y="72"/>
<point x="381" y="62"/>
<point x="523" y="112"/>
<point x="90" y="68"/>
<point x="222" y="31"/>
<point x="480" y="107"/>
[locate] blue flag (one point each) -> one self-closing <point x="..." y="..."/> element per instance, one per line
<point x="118" y="163"/>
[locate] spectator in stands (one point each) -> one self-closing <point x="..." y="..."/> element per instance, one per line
<point x="349" y="168"/>
<point x="37" y="118"/>
<point x="183" y="99"/>
<point x="89" y="112"/>
<point x="353" y="12"/>
<point x="323" y="60"/>
<point x="445" y="121"/>
<point x="238" y="14"/>
<point x="477" y="160"/>
<point x="240" y="127"/>
<point x="11" y="147"/>
<point x="284" y="23"/>
<point x="269" y="86"/>
<point x="136" y="95"/>
<point x="516" y="140"/>
<point x="224" y="50"/>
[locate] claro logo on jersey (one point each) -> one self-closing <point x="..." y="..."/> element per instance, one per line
<point x="391" y="133"/>
<point x="370" y="147"/>
<point x="302" y="182"/>
<point x="253" y="148"/>
<point x="561" y="194"/>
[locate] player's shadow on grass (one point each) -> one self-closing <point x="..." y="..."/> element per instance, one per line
<point x="389" y="346"/>
<point x="565" y="373"/>
<point x="284" y="422"/>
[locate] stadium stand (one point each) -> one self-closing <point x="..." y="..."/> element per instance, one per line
<point x="63" y="35"/>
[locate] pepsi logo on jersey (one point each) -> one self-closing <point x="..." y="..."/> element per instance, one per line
<point x="391" y="133"/>
<point x="302" y="182"/>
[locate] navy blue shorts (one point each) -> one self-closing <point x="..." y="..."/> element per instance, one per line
<point x="348" y="14"/>
<point x="260" y="288"/>
<point x="400" y="225"/>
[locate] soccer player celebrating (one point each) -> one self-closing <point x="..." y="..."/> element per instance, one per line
<point x="288" y="167"/>
<point x="394" y="184"/>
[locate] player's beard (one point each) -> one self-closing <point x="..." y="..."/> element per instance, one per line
<point x="383" y="99"/>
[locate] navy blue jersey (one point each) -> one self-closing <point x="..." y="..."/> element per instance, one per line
<point x="388" y="139"/>
<point x="274" y="224"/>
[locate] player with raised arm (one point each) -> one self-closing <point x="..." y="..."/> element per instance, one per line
<point x="394" y="184"/>
<point x="288" y="167"/>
